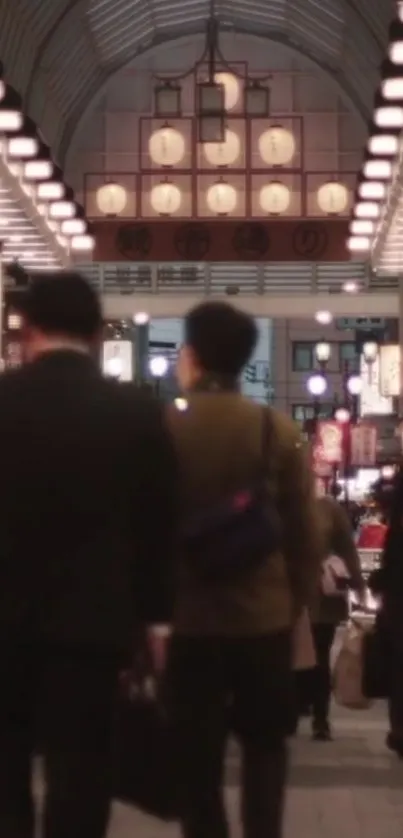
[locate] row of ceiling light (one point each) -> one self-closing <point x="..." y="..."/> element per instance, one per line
<point x="41" y="224"/>
<point x="383" y="146"/>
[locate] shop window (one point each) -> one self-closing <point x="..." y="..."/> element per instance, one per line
<point x="304" y="412"/>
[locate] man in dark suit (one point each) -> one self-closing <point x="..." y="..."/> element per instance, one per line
<point x="87" y="519"/>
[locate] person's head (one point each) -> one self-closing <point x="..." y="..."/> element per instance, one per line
<point x="219" y="340"/>
<point x="62" y="308"/>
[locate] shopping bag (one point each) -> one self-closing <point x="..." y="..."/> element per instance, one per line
<point x="145" y="771"/>
<point x="377" y="666"/>
<point x="348" y="669"/>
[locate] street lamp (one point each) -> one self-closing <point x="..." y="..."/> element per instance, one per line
<point x="158" y="368"/>
<point x="354" y="385"/>
<point x="141" y="318"/>
<point x="370" y="351"/>
<point x="342" y="415"/>
<point x="323" y="351"/>
<point x="317" y="385"/>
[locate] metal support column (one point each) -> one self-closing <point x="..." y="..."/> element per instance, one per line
<point x="400" y="335"/>
<point x="141" y="340"/>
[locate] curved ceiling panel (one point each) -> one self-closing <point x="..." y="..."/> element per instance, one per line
<point x="71" y="47"/>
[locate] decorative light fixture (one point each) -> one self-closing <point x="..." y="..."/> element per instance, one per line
<point x="217" y="92"/>
<point x="367" y="209"/>
<point x="388" y="116"/>
<point x="165" y="198"/>
<point x="111" y="199"/>
<point x="354" y="385"/>
<point x="50" y="190"/>
<point x="166" y="146"/>
<point x="60" y="210"/>
<point x="370" y="351"/>
<point x="73" y="227"/>
<point x="159" y="366"/>
<point x="392" y="83"/>
<point x="377" y="169"/>
<point x="231" y="87"/>
<point x="82" y="243"/>
<point x="225" y="153"/>
<point x="358" y="244"/>
<point x="350" y="286"/>
<point x="276" y="146"/>
<point x="383" y="144"/>
<point x="395" y="51"/>
<point x="222" y="198"/>
<point x="323" y="351"/>
<point x="275" y="198"/>
<point x="317" y="385"/>
<point x="373" y="190"/>
<point x="11" y="118"/>
<point x="342" y="415"/>
<point x="324" y="317"/>
<point x="361" y="227"/>
<point x="332" y="198"/>
<point x="141" y="318"/>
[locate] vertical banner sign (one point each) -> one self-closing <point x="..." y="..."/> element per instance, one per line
<point x="364" y="440"/>
<point x="330" y="437"/>
<point x="389" y="370"/>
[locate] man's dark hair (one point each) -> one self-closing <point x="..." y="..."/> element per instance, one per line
<point x="61" y="303"/>
<point x="222" y="338"/>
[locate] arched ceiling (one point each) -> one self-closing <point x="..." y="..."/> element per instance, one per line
<point x="60" y="53"/>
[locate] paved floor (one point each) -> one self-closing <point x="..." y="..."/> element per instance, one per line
<point x="350" y="788"/>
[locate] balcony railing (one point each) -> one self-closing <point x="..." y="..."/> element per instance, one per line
<point x="209" y="279"/>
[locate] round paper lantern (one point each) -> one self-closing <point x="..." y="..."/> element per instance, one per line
<point x="222" y="198"/>
<point x="332" y="198"/>
<point x="276" y="146"/>
<point x="166" y="146"/>
<point x="274" y="198"/>
<point x="223" y="154"/>
<point x="165" y="198"/>
<point x="111" y="199"/>
<point x="231" y="89"/>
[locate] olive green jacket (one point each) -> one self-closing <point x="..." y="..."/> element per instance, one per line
<point x="218" y="440"/>
<point x="338" y="540"/>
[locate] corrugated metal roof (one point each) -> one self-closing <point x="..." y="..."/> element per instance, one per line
<point x="58" y="53"/>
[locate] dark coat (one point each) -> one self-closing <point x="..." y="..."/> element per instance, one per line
<point x="87" y="504"/>
<point x="218" y="441"/>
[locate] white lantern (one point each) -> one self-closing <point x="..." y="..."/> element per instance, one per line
<point x="222" y="198"/>
<point x="223" y="154"/>
<point x="274" y="198"/>
<point x="332" y="198"/>
<point x="276" y="146"/>
<point x="111" y="199"/>
<point x="165" y="198"/>
<point x="230" y="84"/>
<point x="166" y="146"/>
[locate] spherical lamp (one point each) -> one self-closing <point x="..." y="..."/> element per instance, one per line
<point x="323" y="351"/>
<point x="231" y="87"/>
<point x="324" y="317"/>
<point x="370" y="351"/>
<point x="166" y="146"/>
<point x="276" y="146"/>
<point x="165" y="198"/>
<point x="222" y="198"/>
<point x="317" y="385"/>
<point x="342" y="415"/>
<point x="225" y="153"/>
<point x="111" y="199"/>
<point x="159" y="366"/>
<point x="332" y="198"/>
<point x="354" y="385"/>
<point x="274" y="198"/>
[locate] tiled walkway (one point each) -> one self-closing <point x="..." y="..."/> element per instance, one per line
<point x="351" y="788"/>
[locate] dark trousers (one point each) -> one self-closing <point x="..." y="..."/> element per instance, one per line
<point x="247" y="685"/>
<point x="321" y="682"/>
<point x="61" y="700"/>
<point x="395" y="704"/>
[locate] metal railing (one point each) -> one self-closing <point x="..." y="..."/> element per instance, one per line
<point x="277" y="278"/>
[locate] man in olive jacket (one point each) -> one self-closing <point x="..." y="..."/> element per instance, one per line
<point x="232" y="645"/>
